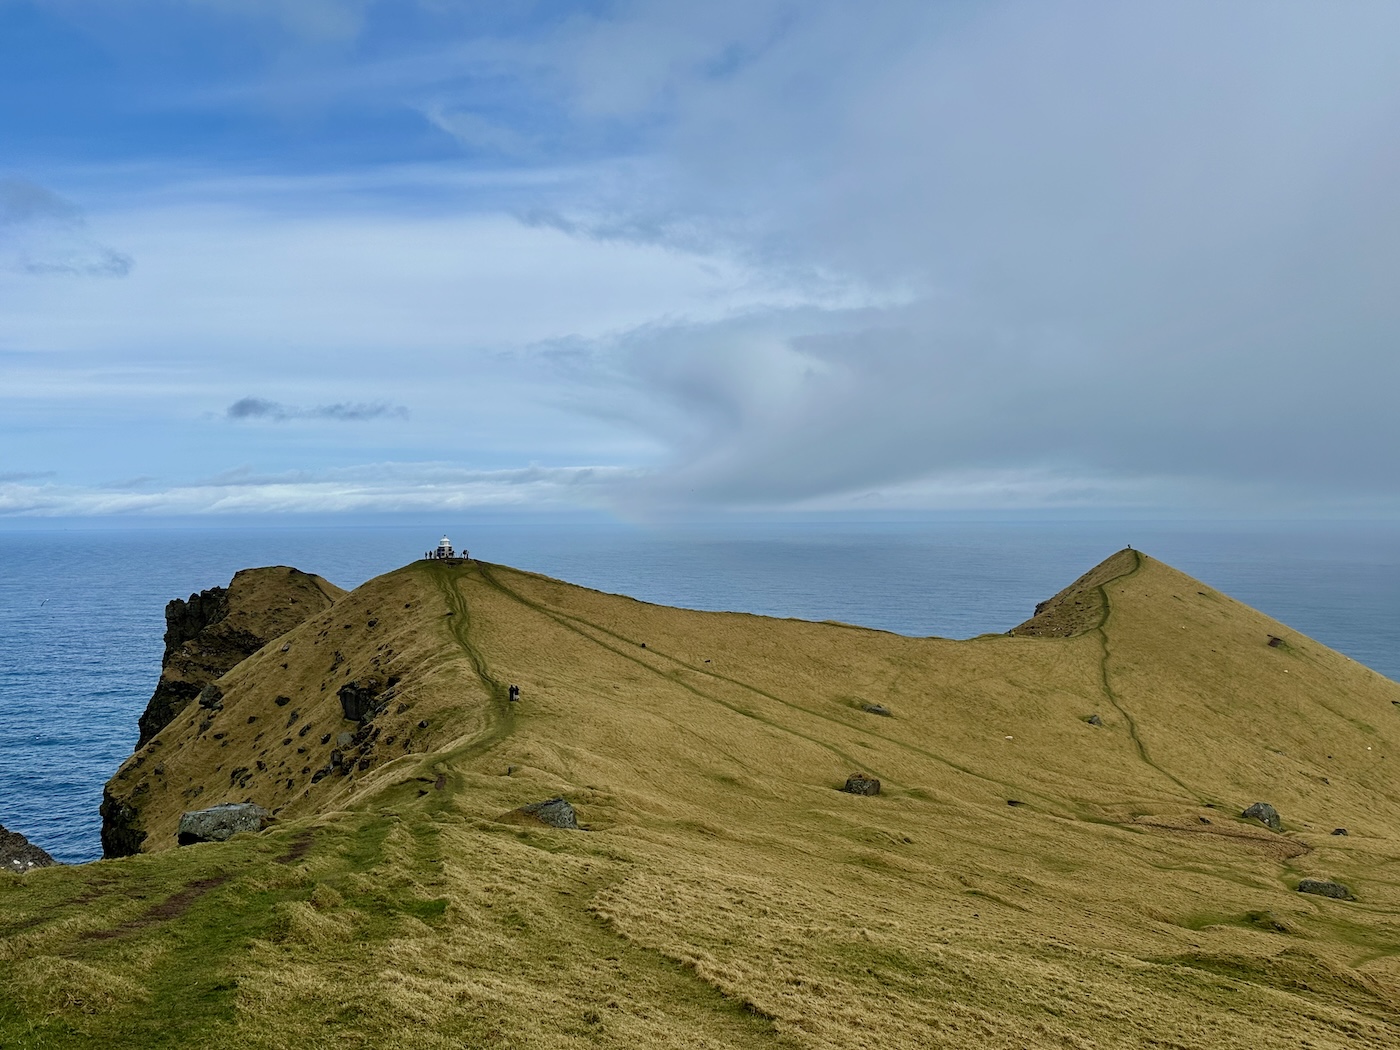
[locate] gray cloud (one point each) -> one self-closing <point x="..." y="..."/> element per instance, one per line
<point x="42" y="233"/>
<point x="1114" y="243"/>
<point x="341" y="411"/>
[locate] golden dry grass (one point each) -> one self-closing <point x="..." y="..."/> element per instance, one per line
<point x="726" y="893"/>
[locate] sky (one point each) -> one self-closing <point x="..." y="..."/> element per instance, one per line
<point x="651" y="259"/>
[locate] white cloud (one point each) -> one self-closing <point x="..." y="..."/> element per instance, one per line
<point x="374" y="488"/>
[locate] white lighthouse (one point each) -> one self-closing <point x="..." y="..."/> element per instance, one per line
<point x="444" y="548"/>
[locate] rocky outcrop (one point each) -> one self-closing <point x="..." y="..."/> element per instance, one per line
<point x="860" y="784"/>
<point x="122" y="833"/>
<point x="553" y="812"/>
<point x="206" y="636"/>
<point x="1265" y="814"/>
<point x="18" y="854"/>
<point x="220" y="823"/>
<point x="1325" y="888"/>
<point x="362" y="699"/>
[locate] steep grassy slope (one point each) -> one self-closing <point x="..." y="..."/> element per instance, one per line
<point x="1026" y="878"/>
<point x="205" y="637"/>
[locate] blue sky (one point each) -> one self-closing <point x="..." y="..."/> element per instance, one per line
<point x="651" y="259"/>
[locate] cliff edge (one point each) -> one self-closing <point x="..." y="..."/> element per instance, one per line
<point x="19" y="855"/>
<point x="206" y="636"/>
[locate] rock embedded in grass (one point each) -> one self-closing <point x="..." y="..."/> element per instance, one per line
<point x="219" y="823"/>
<point x="1265" y="814"/>
<point x="1326" y="888"/>
<point x="860" y="784"/>
<point x="555" y="812"/>
<point x="878" y="709"/>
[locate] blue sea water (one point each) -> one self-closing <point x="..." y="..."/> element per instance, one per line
<point x="82" y="611"/>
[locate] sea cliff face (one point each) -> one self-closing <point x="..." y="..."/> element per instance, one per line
<point x="206" y="636"/>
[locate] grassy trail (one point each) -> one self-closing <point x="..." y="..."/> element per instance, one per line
<point x="1107" y="654"/>
<point x="501" y="716"/>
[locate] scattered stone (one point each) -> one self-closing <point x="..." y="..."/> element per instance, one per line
<point x="860" y="784"/>
<point x="1204" y="820"/>
<point x="325" y="738"/>
<point x="1014" y="802"/>
<point x="344" y="739"/>
<point x="555" y="812"/>
<point x="220" y="823"/>
<point x="211" y="697"/>
<point x="1339" y="831"/>
<point x="1265" y="814"/>
<point x="1275" y="641"/>
<point x="1094" y="720"/>
<point x="423" y="724"/>
<point x="878" y="709"/>
<point x="19" y="855"/>
<point x="283" y="701"/>
<point x="1326" y="888"/>
<point x="286" y="647"/>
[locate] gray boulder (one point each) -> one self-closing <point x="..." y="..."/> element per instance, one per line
<point x="878" y="709"/>
<point x="219" y="823"/>
<point x="1265" y="814"/>
<point x="555" y="812"/>
<point x="211" y="697"/>
<point x="1326" y="888"/>
<point x="860" y="784"/>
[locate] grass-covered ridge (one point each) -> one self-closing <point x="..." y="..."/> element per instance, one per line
<point x="726" y="893"/>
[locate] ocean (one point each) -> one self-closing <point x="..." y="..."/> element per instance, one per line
<point x="82" y="610"/>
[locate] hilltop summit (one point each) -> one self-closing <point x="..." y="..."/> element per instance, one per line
<point x="1057" y="854"/>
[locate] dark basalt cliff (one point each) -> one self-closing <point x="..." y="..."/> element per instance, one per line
<point x="18" y="854"/>
<point x="189" y="661"/>
<point x="206" y="636"/>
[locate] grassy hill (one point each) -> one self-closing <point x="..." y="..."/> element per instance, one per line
<point x="1025" y="878"/>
